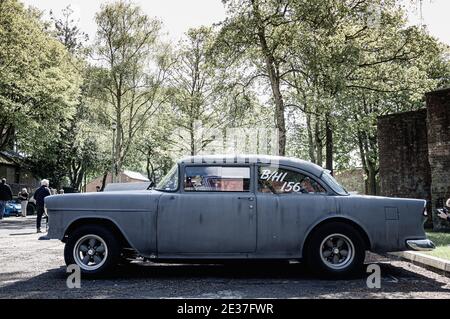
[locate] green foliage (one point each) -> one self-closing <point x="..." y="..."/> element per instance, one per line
<point x="128" y="91"/>
<point x="320" y="71"/>
<point x="39" y="83"/>
<point x="442" y="242"/>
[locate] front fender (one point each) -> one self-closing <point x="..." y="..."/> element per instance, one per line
<point x="138" y="228"/>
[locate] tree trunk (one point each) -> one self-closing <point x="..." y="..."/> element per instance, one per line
<point x="368" y="165"/>
<point x="279" y="116"/>
<point x="147" y="167"/>
<point x="105" y="176"/>
<point x="371" y="182"/>
<point x="319" y="146"/>
<point x="311" y="145"/>
<point x="274" y="76"/>
<point x="192" y="138"/>
<point x="79" y="179"/>
<point x="328" y="145"/>
<point x="117" y="153"/>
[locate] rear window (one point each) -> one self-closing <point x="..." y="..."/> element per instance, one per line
<point x="277" y="180"/>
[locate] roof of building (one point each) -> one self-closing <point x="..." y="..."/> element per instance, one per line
<point x="404" y="113"/>
<point x="441" y="90"/>
<point x="10" y="158"/>
<point x="135" y="175"/>
<point x="263" y="159"/>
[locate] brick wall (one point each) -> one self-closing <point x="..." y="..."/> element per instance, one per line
<point x="438" y="106"/>
<point x="404" y="167"/>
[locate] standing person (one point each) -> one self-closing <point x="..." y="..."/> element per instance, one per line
<point x="5" y="195"/>
<point x="39" y="196"/>
<point x="445" y="213"/>
<point x="23" y="197"/>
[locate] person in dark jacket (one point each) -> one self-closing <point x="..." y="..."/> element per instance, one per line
<point x="5" y="195"/>
<point x="39" y="196"/>
<point x="445" y="212"/>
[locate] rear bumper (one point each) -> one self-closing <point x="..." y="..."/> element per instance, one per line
<point x="420" y="244"/>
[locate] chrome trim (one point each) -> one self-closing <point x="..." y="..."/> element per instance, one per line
<point x="420" y="244"/>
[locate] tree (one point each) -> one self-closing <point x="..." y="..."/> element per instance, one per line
<point x="39" y="84"/>
<point x="130" y="82"/>
<point x="67" y="31"/>
<point x="73" y="152"/>
<point x="153" y="149"/>
<point x="197" y="91"/>
<point x="256" y="30"/>
<point x="380" y="65"/>
<point x="395" y="68"/>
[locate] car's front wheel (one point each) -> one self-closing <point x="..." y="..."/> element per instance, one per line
<point x="336" y="250"/>
<point x="93" y="248"/>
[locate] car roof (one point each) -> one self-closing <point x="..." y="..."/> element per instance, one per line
<point x="259" y="159"/>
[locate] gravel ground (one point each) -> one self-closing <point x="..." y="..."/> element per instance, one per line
<point x="32" y="268"/>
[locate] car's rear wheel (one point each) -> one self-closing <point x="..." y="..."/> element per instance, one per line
<point x="335" y="250"/>
<point x="93" y="248"/>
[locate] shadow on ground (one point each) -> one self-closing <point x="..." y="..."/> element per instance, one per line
<point x="19" y="223"/>
<point x="249" y="280"/>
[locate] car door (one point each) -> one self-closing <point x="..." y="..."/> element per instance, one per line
<point x="289" y="202"/>
<point x="213" y="213"/>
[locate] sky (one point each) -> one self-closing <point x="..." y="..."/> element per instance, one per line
<point x="177" y="15"/>
<point x="180" y="15"/>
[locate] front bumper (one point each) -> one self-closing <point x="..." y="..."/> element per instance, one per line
<point x="420" y="244"/>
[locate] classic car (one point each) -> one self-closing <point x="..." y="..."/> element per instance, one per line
<point x="239" y="207"/>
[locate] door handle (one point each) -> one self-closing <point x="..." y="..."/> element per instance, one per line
<point x="250" y="198"/>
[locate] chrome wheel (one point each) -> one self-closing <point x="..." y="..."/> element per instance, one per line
<point x="90" y="252"/>
<point x="337" y="251"/>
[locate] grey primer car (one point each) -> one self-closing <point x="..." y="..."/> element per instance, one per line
<point x="243" y="207"/>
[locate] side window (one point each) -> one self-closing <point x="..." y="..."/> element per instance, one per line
<point x="280" y="181"/>
<point x="217" y="179"/>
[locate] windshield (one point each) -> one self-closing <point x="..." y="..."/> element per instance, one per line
<point x="326" y="176"/>
<point x="170" y="181"/>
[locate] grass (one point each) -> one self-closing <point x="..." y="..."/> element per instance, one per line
<point x="442" y="242"/>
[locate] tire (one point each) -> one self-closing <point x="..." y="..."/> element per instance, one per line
<point x="335" y="250"/>
<point x="94" y="249"/>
